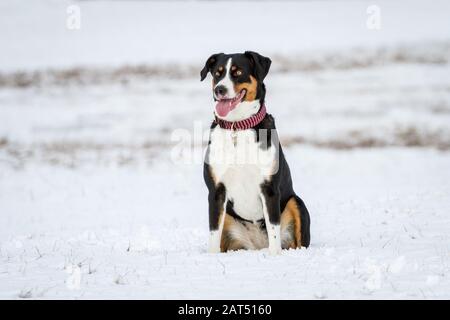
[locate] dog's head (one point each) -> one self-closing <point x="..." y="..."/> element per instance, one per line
<point x="237" y="84"/>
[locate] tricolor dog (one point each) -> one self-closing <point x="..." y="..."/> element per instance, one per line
<point x="252" y="204"/>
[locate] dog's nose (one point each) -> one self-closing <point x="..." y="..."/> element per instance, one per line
<point x="220" y="91"/>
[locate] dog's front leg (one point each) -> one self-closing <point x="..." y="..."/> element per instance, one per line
<point x="271" y="209"/>
<point x="216" y="199"/>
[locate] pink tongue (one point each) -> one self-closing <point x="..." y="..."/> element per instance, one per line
<point x="223" y="107"/>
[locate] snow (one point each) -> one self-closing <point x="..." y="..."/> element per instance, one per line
<point x="98" y="201"/>
<point x="379" y="229"/>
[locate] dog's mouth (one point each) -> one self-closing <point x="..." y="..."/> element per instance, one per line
<point x="224" y="106"/>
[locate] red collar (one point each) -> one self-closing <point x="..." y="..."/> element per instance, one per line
<point x="243" y="124"/>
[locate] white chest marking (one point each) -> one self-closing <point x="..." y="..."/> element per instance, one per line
<point x="242" y="168"/>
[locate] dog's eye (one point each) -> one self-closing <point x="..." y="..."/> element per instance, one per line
<point x="237" y="73"/>
<point x="217" y="73"/>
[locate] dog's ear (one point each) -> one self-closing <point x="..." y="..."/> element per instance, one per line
<point x="209" y="65"/>
<point x="261" y="64"/>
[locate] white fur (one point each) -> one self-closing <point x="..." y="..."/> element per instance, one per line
<point x="242" y="168"/>
<point x="250" y="235"/>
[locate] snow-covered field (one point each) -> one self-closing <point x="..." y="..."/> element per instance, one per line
<point x="96" y="203"/>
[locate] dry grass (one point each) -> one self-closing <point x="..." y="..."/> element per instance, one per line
<point x="435" y="53"/>
<point x="73" y="153"/>
<point x="401" y="137"/>
<point x="3" y="142"/>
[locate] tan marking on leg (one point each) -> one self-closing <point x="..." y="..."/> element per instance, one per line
<point x="287" y="225"/>
<point x="291" y="218"/>
<point x="251" y="88"/>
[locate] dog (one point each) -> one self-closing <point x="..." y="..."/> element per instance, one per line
<point x="252" y="204"/>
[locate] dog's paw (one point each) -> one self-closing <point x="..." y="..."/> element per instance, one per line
<point x="274" y="250"/>
<point x="213" y="249"/>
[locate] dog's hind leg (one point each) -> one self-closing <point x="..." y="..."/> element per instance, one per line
<point x="295" y="224"/>
<point x="305" y="223"/>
